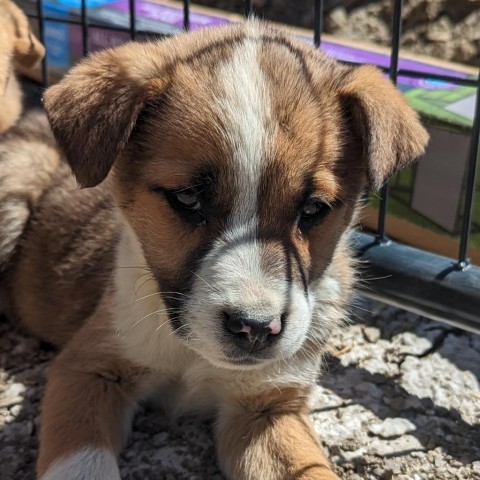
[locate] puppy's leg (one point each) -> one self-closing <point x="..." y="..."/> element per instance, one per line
<point x="86" y="412"/>
<point x="270" y="438"/>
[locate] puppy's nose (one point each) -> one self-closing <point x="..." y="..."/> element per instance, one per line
<point x="252" y="333"/>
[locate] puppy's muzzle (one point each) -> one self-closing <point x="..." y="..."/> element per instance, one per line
<point x="252" y="334"/>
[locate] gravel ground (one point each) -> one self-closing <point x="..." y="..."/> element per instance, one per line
<point x="399" y="400"/>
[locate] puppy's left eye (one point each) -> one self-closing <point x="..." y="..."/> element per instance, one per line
<point x="315" y="208"/>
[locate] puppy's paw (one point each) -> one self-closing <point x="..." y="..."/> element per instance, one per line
<point x="90" y="463"/>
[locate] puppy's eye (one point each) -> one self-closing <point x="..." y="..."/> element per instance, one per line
<point x="313" y="211"/>
<point x="187" y="203"/>
<point x="314" y="208"/>
<point x="189" y="199"/>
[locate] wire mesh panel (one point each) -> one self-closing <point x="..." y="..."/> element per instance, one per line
<point x="441" y="287"/>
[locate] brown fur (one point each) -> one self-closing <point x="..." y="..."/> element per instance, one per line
<point x="265" y="434"/>
<point x="27" y="158"/>
<point x="28" y="161"/>
<point x="92" y="396"/>
<point x="52" y="256"/>
<point x="145" y="112"/>
<point x="389" y="129"/>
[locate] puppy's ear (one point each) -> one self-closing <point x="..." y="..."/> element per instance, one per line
<point x="27" y="50"/>
<point x="391" y="132"/>
<point x="93" y="110"/>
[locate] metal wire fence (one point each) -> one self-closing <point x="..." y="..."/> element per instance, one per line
<point x="439" y="287"/>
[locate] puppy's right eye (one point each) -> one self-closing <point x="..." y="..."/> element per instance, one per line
<point x="189" y="199"/>
<point x="187" y="204"/>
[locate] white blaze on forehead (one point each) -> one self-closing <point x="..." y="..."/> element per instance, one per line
<point x="245" y="110"/>
<point x="243" y="105"/>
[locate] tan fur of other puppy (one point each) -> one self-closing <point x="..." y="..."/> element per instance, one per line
<point x="208" y="261"/>
<point x="28" y="154"/>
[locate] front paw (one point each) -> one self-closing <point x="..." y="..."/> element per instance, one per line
<point x="89" y="463"/>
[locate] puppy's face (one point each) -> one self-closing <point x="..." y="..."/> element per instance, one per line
<point x="238" y="156"/>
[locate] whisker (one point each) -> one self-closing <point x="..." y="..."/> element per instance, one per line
<point x="163" y="294"/>
<point x="164" y="323"/>
<point x="203" y="280"/>
<point x="143" y="284"/>
<point x="179" y="328"/>
<point x="254" y="345"/>
<point x="148" y="315"/>
<point x="140" y="267"/>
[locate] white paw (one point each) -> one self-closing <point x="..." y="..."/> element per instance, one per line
<point x="91" y="463"/>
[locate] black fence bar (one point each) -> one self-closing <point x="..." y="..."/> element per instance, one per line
<point x="113" y="28"/>
<point x="186" y="15"/>
<point x="470" y="185"/>
<point x="421" y="282"/>
<point x="318" y="10"/>
<point x="41" y="34"/>
<point x="466" y="82"/>
<point x="133" y="20"/>
<point x="248" y="8"/>
<point x="396" y="32"/>
<point x="84" y="19"/>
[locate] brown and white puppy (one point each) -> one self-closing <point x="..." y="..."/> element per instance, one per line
<point x="235" y="158"/>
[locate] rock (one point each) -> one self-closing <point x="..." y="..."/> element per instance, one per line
<point x="459" y="9"/>
<point x="368" y="390"/>
<point x="15" y="410"/>
<point x="394" y="465"/>
<point x="372" y="334"/>
<point x="386" y="448"/>
<point x="410" y="344"/>
<point x="437" y="379"/>
<point x="392" y="427"/>
<point x="440" y="31"/>
<point x="160" y="439"/>
<point x="12" y="395"/>
<point x="336" y="19"/>
<point x="420" y="11"/>
<point x="349" y="456"/>
<point x="363" y="26"/>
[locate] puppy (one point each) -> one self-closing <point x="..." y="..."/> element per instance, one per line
<point x="27" y="148"/>
<point x="206" y="261"/>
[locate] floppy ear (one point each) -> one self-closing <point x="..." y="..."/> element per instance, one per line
<point x="93" y="110"/>
<point x="27" y="50"/>
<point x="391" y="132"/>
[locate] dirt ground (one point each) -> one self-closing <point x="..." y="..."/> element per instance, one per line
<point x="400" y="401"/>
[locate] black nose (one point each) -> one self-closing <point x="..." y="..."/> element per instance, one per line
<point x="252" y="333"/>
